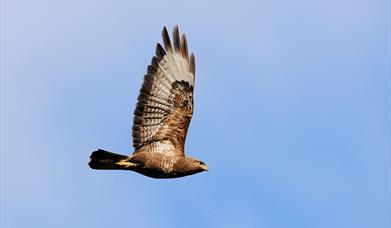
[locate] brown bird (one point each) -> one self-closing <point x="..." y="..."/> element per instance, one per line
<point x="161" y="118"/>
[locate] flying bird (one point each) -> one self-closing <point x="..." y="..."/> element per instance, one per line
<point x="161" y="118"/>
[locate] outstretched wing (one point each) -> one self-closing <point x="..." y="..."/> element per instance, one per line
<point x="165" y="104"/>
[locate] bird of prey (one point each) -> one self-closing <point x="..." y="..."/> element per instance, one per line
<point x="161" y="118"/>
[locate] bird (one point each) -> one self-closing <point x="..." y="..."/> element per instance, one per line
<point x="161" y="118"/>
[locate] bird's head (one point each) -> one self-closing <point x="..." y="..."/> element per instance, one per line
<point x="197" y="165"/>
<point x="202" y="166"/>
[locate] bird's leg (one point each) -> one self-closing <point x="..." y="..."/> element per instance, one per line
<point x="127" y="164"/>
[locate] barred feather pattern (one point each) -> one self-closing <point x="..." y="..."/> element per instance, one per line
<point x="165" y="104"/>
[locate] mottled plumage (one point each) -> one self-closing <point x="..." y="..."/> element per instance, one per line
<point x="162" y="116"/>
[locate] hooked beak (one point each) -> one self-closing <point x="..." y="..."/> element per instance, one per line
<point x="204" y="167"/>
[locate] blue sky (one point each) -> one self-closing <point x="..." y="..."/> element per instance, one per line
<point x="292" y="113"/>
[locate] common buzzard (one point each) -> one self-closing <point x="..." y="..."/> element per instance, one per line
<point x="161" y="118"/>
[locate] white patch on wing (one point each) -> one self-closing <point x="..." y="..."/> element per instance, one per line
<point x="164" y="147"/>
<point x="176" y="68"/>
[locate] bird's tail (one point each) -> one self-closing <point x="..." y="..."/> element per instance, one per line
<point x="101" y="159"/>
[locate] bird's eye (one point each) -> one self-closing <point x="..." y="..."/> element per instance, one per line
<point x="201" y="163"/>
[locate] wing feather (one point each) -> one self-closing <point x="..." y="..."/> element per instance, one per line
<point x="165" y="104"/>
<point x="177" y="41"/>
<point x="166" y="40"/>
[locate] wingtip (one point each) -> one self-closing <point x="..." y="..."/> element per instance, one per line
<point x="160" y="50"/>
<point x="184" y="49"/>
<point x="192" y="63"/>
<point x="166" y="39"/>
<point x="176" y="38"/>
<point x="164" y="29"/>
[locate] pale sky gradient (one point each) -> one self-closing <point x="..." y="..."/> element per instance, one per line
<point x="292" y="113"/>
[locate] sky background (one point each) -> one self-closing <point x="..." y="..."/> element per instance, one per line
<point x="292" y="113"/>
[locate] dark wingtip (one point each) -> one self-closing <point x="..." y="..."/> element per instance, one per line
<point x="160" y="52"/>
<point x="166" y="39"/>
<point x="184" y="50"/>
<point x="192" y="63"/>
<point x="176" y="38"/>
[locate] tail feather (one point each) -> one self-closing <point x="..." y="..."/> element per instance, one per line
<point x="101" y="159"/>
